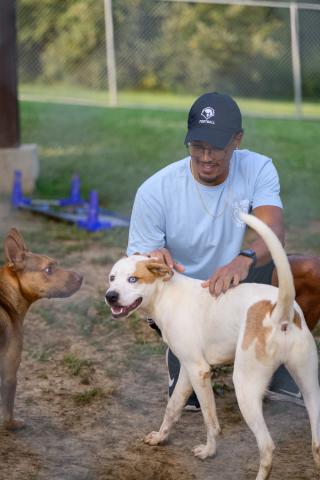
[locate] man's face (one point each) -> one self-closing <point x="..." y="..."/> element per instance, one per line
<point x="210" y="165"/>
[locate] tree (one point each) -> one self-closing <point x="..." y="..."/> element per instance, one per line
<point x="163" y="46"/>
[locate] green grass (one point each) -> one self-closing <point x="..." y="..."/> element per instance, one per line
<point x="65" y="93"/>
<point x="89" y="396"/>
<point x="145" y="350"/>
<point x="115" y="149"/>
<point x="75" y="364"/>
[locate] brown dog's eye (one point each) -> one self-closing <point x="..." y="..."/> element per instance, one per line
<point x="48" y="269"/>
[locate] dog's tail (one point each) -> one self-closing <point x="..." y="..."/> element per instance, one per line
<point x="286" y="292"/>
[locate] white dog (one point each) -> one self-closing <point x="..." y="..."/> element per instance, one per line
<point x="258" y="326"/>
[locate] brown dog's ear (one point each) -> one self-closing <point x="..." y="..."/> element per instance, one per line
<point x="160" y="270"/>
<point x="15" y="249"/>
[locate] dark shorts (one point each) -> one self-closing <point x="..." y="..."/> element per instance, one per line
<point x="260" y="274"/>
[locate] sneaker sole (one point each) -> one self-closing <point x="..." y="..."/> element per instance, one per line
<point x="281" y="397"/>
<point x="192" y="408"/>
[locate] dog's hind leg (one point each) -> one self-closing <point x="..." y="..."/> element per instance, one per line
<point x="251" y="380"/>
<point x="201" y="381"/>
<point x="303" y="366"/>
<point x="10" y="364"/>
<point x="174" y="408"/>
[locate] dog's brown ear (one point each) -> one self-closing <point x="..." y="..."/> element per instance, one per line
<point x="15" y="249"/>
<point x="160" y="270"/>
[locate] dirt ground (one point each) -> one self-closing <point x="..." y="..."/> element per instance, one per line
<point x="91" y="387"/>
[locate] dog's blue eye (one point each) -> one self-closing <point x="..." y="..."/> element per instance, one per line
<point x="132" y="279"/>
<point x="112" y="277"/>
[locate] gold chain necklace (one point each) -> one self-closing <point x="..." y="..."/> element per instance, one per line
<point x="202" y="199"/>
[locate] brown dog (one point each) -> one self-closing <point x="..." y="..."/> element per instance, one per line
<point x="306" y="275"/>
<point x="27" y="277"/>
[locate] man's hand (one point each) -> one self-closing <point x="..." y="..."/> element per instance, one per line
<point x="163" y="255"/>
<point x="228" y="276"/>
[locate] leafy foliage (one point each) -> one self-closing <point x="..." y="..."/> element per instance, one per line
<point x="165" y="46"/>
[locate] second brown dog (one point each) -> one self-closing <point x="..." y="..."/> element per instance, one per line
<point x="25" y="278"/>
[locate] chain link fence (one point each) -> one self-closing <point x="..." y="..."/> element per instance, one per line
<point x="171" y="48"/>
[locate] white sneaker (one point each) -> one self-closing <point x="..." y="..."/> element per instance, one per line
<point x="285" y="396"/>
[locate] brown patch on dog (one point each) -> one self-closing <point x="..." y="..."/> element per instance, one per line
<point x="255" y="329"/>
<point x="297" y="319"/>
<point x="147" y="271"/>
<point x="143" y="273"/>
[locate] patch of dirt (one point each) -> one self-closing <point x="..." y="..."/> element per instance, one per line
<point x="90" y="388"/>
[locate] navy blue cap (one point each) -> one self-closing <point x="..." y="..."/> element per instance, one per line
<point x="214" y="118"/>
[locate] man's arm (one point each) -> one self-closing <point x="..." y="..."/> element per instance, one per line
<point x="273" y="217"/>
<point x="147" y="224"/>
<point x="238" y="269"/>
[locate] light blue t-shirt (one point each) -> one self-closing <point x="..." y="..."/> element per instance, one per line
<point x="170" y="212"/>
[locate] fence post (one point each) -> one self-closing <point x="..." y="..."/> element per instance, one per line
<point x="295" y="53"/>
<point x="111" y="62"/>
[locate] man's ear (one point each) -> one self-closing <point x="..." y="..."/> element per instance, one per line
<point x="238" y="138"/>
<point x="15" y="249"/>
<point x="160" y="270"/>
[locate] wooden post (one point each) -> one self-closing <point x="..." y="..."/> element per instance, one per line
<point x="9" y="112"/>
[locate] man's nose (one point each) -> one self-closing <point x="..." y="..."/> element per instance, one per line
<point x="112" y="297"/>
<point x="208" y="155"/>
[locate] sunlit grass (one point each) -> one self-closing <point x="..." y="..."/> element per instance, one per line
<point x="115" y="149"/>
<point x="82" y="96"/>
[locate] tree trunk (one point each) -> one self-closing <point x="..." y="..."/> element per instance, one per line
<point x="9" y="112"/>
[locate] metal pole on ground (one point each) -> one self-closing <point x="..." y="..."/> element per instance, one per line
<point x="111" y="61"/>
<point x="295" y="54"/>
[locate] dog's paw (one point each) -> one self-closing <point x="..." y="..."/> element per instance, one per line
<point x="204" y="451"/>
<point x="14" y="424"/>
<point x="153" y="438"/>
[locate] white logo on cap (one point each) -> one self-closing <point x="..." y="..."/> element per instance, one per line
<point x="207" y="113"/>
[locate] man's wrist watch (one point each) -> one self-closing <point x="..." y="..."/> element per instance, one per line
<point x="248" y="252"/>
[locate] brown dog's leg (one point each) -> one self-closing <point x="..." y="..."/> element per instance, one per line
<point x="306" y="274"/>
<point x="11" y="362"/>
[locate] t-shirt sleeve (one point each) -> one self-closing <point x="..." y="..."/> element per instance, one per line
<point x="267" y="186"/>
<point x="147" y="224"/>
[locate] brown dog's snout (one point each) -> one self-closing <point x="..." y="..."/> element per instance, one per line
<point x="112" y="297"/>
<point x="72" y="284"/>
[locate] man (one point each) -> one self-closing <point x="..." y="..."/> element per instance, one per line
<point x="186" y="214"/>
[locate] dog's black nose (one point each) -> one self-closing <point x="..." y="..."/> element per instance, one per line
<point x="112" y="297"/>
